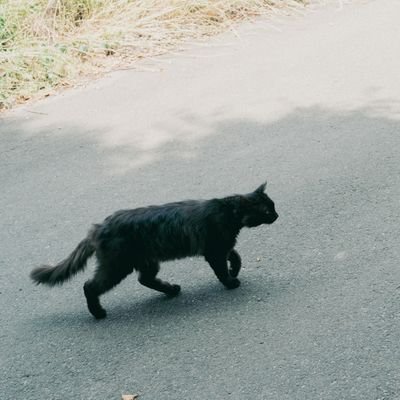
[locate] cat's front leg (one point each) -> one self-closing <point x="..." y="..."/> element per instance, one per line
<point x="218" y="263"/>
<point x="235" y="263"/>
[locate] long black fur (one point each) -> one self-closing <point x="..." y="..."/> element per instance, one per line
<point x="143" y="237"/>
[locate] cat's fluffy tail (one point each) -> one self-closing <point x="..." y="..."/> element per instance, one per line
<point x="64" y="270"/>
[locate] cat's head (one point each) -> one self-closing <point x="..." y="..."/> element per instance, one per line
<point x="258" y="208"/>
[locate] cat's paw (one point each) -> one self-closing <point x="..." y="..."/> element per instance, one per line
<point x="232" y="283"/>
<point x="173" y="291"/>
<point x="100" y="313"/>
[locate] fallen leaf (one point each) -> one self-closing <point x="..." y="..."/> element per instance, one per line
<point x="130" y="396"/>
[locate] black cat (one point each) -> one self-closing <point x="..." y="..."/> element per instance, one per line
<point x="140" y="238"/>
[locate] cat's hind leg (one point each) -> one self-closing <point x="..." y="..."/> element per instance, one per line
<point x="107" y="276"/>
<point x="148" y="277"/>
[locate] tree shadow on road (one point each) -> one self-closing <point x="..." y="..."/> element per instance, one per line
<point x="65" y="179"/>
<point x="308" y="280"/>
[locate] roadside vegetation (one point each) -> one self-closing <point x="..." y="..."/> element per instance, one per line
<point x="48" y="44"/>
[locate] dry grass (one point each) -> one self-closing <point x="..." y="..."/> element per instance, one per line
<point x="45" y="44"/>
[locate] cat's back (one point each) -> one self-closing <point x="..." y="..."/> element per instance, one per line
<point x="155" y="215"/>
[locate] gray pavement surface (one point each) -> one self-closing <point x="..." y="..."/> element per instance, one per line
<point x="311" y="103"/>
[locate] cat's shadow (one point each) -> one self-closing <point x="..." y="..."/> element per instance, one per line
<point x="202" y="301"/>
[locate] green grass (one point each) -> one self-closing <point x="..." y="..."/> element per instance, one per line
<point x="47" y="44"/>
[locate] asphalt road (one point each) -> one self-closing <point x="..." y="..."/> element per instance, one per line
<point x="312" y="104"/>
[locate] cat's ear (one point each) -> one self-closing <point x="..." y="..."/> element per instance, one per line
<point x="261" y="188"/>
